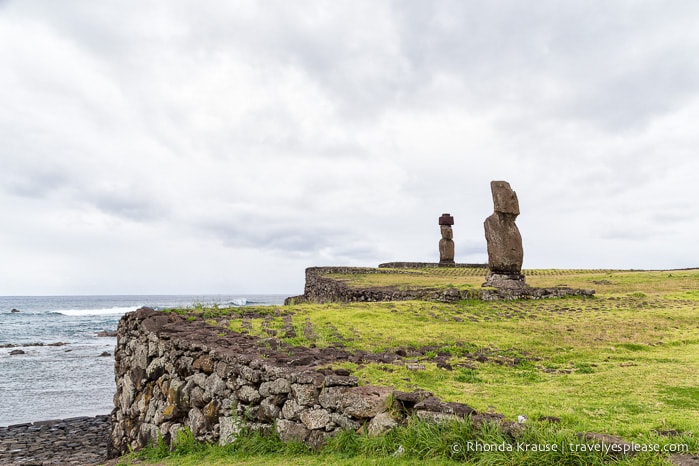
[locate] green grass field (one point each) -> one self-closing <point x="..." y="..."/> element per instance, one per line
<point x="625" y="362"/>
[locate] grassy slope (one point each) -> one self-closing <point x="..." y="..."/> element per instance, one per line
<point x="625" y="362"/>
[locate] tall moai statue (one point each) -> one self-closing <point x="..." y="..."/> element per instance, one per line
<point x="505" y="252"/>
<point x="446" y="244"/>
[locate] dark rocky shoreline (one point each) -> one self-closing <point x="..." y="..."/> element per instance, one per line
<point x="74" y="441"/>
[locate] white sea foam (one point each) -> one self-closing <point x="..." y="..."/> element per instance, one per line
<point x="96" y="312"/>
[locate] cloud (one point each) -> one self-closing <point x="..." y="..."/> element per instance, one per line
<point x="290" y="135"/>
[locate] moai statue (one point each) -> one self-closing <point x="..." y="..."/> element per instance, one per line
<point x="504" y="241"/>
<point x="446" y="244"/>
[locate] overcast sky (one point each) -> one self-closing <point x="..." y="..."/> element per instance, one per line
<point x="224" y="146"/>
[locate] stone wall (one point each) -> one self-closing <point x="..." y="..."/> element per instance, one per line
<point x="173" y="372"/>
<point x="320" y="288"/>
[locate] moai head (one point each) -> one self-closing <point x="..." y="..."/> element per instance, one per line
<point x="504" y="198"/>
<point x="445" y="223"/>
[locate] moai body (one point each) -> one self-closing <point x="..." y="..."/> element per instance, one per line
<point x="446" y="244"/>
<point x="504" y="241"/>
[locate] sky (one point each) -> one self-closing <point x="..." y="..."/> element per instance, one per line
<point x="162" y="147"/>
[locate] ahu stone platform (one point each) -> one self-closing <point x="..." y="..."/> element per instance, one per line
<point x="322" y="287"/>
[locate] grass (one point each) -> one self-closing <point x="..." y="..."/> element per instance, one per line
<point x="455" y="442"/>
<point x="625" y="362"/>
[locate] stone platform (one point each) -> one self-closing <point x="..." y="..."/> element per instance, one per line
<point x="322" y="288"/>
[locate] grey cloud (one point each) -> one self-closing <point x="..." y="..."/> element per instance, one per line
<point x="636" y="96"/>
<point x="126" y="203"/>
<point x="298" y="238"/>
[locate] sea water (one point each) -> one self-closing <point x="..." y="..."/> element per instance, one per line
<point x="65" y="370"/>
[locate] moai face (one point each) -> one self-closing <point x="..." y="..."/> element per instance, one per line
<point x="504" y="198"/>
<point x="447" y="232"/>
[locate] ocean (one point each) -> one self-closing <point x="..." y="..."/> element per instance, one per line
<point x="66" y="369"/>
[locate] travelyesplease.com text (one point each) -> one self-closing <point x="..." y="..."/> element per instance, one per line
<point x="606" y="448"/>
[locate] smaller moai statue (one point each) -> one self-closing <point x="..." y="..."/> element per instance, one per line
<point x="446" y="244"/>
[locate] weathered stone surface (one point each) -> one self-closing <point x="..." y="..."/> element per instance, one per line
<point x="505" y="253"/>
<point x="215" y="386"/>
<point x="196" y="421"/>
<point x="275" y="387"/>
<point x="434" y="404"/>
<point x="408" y="400"/>
<point x="305" y="394"/>
<point x="269" y="409"/>
<point x="204" y="364"/>
<point x="437" y="418"/>
<point x="248" y="394"/>
<point x="359" y="402"/>
<point x="317" y="438"/>
<point x="291" y="431"/>
<point x="229" y="429"/>
<point x="292" y="409"/>
<point x="380" y="424"/>
<point x="340" y="380"/>
<point x="315" y="419"/>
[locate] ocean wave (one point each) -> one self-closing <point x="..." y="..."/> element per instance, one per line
<point x="96" y="312"/>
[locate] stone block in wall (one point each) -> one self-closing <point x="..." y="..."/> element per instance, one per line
<point x="315" y="419"/>
<point x="197" y="397"/>
<point x="173" y="430"/>
<point x="314" y="378"/>
<point x="435" y="418"/>
<point x="359" y="402"/>
<point x="196" y="422"/>
<point x="305" y="394"/>
<point x="290" y="431"/>
<point x="176" y="394"/>
<point x="408" y="400"/>
<point x="272" y="372"/>
<point x="275" y="387"/>
<point x="215" y="387"/>
<point x="183" y="366"/>
<point x="270" y="408"/>
<point x="435" y="405"/>
<point x="248" y="374"/>
<point x="317" y="438"/>
<point x="223" y="369"/>
<point x="204" y="364"/>
<point x="248" y="394"/>
<point x="340" y="380"/>
<point x="344" y="422"/>
<point x="155" y="369"/>
<point x="229" y="428"/>
<point x="380" y="423"/>
<point x="292" y="409"/>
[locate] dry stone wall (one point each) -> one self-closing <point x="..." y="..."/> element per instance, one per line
<point x="174" y="373"/>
